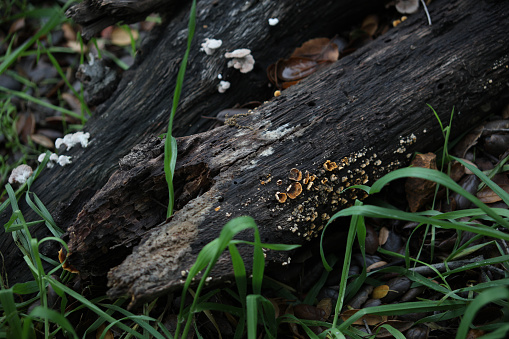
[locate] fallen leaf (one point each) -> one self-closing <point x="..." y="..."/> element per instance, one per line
<point x="121" y="37"/>
<point x="69" y="33"/>
<point x="309" y="312"/>
<point x="401" y="326"/>
<point x="488" y="196"/>
<point x="380" y="291"/>
<point x="375" y="266"/>
<point x="369" y="319"/>
<point x="100" y="330"/>
<point x="419" y="192"/>
<point x="295" y="68"/>
<point x="319" y="49"/>
<point x="42" y="140"/>
<point x="470" y="140"/>
<point x="25" y="126"/>
<point x="17" y="25"/>
<point x="72" y="101"/>
<point x="370" y="25"/>
<point x="325" y="305"/>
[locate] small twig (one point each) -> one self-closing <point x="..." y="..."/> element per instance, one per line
<point x="440" y="267"/>
<point x="426" y="10"/>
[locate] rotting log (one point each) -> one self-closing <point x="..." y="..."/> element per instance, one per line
<point x="348" y="124"/>
<point x="141" y="105"/>
<point x="368" y="103"/>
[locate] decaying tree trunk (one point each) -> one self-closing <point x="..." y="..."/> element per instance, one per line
<point x="367" y="113"/>
<point x="347" y="125"/>
<point x="141" y="106"/>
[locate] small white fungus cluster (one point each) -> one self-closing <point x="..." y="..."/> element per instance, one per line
<point x="273" y="21"/>
<point x="20" y="174"/>
<point x="241" y="60"/>
<point x="223" y="86"/>
<point x="70" y="140"/>
<point x="54" y="158"/>
<point x="210" y="45"/>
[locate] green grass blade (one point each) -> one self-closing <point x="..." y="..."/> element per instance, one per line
<point x="440" y="178"/>
<point x="482" y="299"/>
<point x="258" y="263"/>
<point x="91" y="306"/>
<point x="169" y="169"/>
<point x="252" y="315"/>
<point x="142" y="321"/>
<point x="352" y="232"/>
<point x="395" y="333"/>
<point x="28" y="97"/>
<point x="239" y="270"/>
<point x="53" y="316"/>
<point x="11" y="313"/>
<point x="170" y="144"/>
<point x="380" y="212"/>
<point x="484" y="178"/>
<point x="55" y="19"/>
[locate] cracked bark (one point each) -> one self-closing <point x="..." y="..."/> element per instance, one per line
<point x="362" y="113"/>
<point x="369" y="103"/>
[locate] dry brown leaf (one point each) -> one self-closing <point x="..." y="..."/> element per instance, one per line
<point x="17" y="25"/>
<point x="420" y="191"/>
<point x="294" y="328"/>
<point x="121" y="37"/>
<point x="372" y="241"/>
<point x="383" y="235"/>
<point x="69" y="33"/>
<point x="295" y="68"/>
<point x="370" y="25"/>
<point x="488" y="196"/>
<point x="72" y="101"/>
<point x="319" y="49"/>
<point x="376" y="265"/>
<point x="474" y="334"/>
<point x="309" y="312"/>
<point x="467" y="142"/>
<point x="100" y="330"/>
<point x="25" y="126"/>
<point x="42" y="140"/>
<point x="325" y="305"/>
<point x="380" y="291"/>
<point x="401" y="326"/>
<point x="457" y="171"/>
<point x="370" y="319"/>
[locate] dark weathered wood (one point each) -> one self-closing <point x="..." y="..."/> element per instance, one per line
<point x="142" y="103"/>
<point x="95" y="15"/>
<point x="367" y="113"/>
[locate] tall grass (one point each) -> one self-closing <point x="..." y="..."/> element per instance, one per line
<point x="170" y="144"/>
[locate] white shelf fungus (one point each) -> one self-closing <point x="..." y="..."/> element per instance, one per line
<point x="70" y="140"/>
<point x="55" y="159"/>
<point x="64" y="160"/>
<point x="223" y="86"/>
<point x="273" y="21"/>
<point x="407" y="6"/>
<point x="20" y="174"/>
<point x="241" y="60"/>
<point x="210" y="45"/>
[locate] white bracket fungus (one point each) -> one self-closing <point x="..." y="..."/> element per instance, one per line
<point x="54" y="158"/>
<point x="210" y="45"/>
<point x="241" y="60"/>
<point x="223" y="86"/>
<point x="407" y="6"/>
<point x="273" y="21"/>
<point x="20" y="174"/>
<point x="70" y="140"/>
